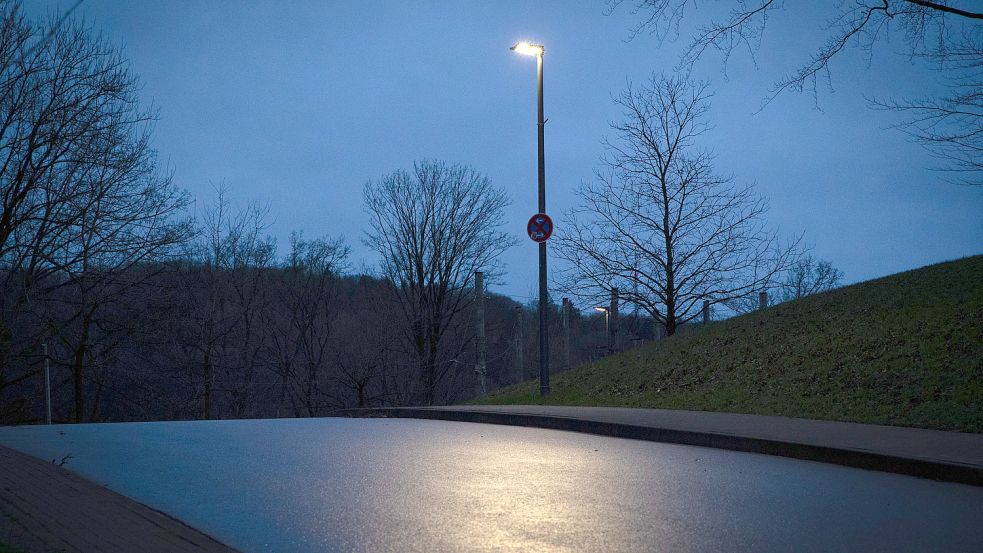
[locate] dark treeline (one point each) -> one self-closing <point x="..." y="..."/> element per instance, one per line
<point x="293" y="338"/>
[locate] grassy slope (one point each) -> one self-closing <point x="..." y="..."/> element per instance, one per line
<point x="905" y="350"/>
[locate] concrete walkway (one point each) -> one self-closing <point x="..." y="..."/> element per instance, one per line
<point x="46" y="508"/>
<point x="947" y="456"/>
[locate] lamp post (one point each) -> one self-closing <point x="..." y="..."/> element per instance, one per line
<point x="607" y="326"/>
<point x="544" y="351"/>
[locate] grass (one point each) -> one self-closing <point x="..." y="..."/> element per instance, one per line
<point x="902" y="350"/>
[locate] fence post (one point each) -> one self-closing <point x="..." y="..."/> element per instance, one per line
<point x="565" y="321"/>
<point x="706" y="311"/>
<point x="762" y="300"/>
<point x="518" y="365"/>
<point x="47" y="384"/>
<point x="479" y="299"/>
<point x="613" y="313"/>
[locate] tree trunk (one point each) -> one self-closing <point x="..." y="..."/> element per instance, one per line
<point x="206" y="412"/>
<point x="78" y="366"/>
<point x="94" y="410"/>
<point x="77" y="385"/>
<point x="360" y="390"/>
<point x="670" y="322"/>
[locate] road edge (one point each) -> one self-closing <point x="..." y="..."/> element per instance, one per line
<point x="870" y="460"/>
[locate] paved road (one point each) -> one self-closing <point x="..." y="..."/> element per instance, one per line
<point x="415" y="485"/>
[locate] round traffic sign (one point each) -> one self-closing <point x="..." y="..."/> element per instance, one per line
<point x="540" y="227"/>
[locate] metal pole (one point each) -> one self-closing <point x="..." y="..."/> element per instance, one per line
<point x="479" y="299"/>
<point x="614" y="320"/>
<point x="47" y="384"/>
<point x="565" y="319"/>
<point x="607" y="329"/>
<point x="544" y="349"/>
<point x="520" y="367"/>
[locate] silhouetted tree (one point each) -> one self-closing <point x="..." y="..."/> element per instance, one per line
<point x="222" y="341"/>
<point x="659" y="224"/>
<point x="300" y="328"/>
<point x="808" y="276"/>
<point x="83" y="199"/>
<point x="434" y="227"/>
<point x="950" y="126"/>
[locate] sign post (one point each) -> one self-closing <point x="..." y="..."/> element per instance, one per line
<point x="540" y="228"/>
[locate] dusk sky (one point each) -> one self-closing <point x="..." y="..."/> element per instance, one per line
<point x="298" y="104"/>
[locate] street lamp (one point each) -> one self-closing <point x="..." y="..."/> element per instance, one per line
<point x="544" y="350"/>
<point x="527" y="49"/>
<point x="607" y="325"/>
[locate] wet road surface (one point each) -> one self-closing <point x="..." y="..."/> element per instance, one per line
<point x="414" y="485"/>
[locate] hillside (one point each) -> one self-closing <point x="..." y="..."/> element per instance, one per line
<point x="904" y="350"/>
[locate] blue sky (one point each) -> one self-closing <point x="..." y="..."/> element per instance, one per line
<point x="298" y="104"/>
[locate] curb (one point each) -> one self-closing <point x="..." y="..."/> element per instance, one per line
<point x="921" y="468"/>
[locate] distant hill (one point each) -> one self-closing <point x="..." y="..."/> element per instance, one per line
<point x="905" y="350"/>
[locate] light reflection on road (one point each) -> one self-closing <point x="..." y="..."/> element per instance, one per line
<point x="412" y="485"/>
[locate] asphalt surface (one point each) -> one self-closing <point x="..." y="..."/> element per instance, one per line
<point x="418" y="485"/>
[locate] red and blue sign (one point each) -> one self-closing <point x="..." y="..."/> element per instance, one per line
<point x="540" y="227"/>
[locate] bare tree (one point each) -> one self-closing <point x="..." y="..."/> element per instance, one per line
<point x="950" y="126"/>
<point x="659" y="224"/>
<point x="221" y="345"/>
<point x="84" y="202"/>
<point x="366" y="351"/>
<point x="300" y="329"/>
<point x="947" y="33"/>
<point x="808" y="276"/>
<point x="433" y="228"/>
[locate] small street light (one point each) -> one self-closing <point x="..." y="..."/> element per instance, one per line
<point x="607" y="325"/>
